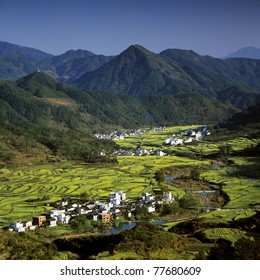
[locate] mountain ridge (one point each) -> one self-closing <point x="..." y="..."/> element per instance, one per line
<point x="138" y="72"/>
<point x="40" y="99"/>
<point x="7" y="48"/>
<point x="133" y="70"/>
<point x="246" y="52"/>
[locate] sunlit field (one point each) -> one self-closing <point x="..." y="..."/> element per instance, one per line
<point x="29" y="190"/>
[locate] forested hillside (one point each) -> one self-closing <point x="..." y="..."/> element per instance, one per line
<point x="41" y="100"/>
<point x="139" y="72"/>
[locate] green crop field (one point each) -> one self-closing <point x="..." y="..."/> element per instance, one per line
<point x="151" y="139"/>
<point x="24" y="193"/>
<point x="27" y="191"/>
<point x="231" y="234"/>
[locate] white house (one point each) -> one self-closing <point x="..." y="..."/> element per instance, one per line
<point x="117" y="196"/>
<point x="160" y="153"/>
<point x="57" y="212"/>
<point x="189" y="140"/>
<point x="82" y="210"/>
<point x="176" y="142"/>
<point x="66" y="219"/>
<point x="168" y="196"/>
<point x="150" y="209"/>
<point x="64" y="203"/>
<point x="147" y="197"/>
<point x="32" y="227"/>
<point x="17" y="226"/>
<point x="141" y="152"/>
<point x="115" y="201"/>
<point x="22" y="229"/>
<point x="198" y="135"/>
<point x="27" y="224"/>
<point x="53" y="222"/>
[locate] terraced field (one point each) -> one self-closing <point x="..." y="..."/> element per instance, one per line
<point x="27" y="191"/>
<point x="155" y="140"/>
<point x="231" y="234"/>
<point x="151" y="139"/>
<point x="243" y="190"/>
<point x="24" y="193"/>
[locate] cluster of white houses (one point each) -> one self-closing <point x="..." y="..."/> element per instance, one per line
<point x="119" y="135"/>
<point x="117" y="205"/>
<point x="182" y="138"/>
<point x="139" y="152"/>
<point x="187" y="136"/>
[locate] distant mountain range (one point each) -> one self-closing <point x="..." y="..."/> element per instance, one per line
<point x="136" y="71"/>
<point x="139" y="72"/>
<point x="17" y="61"/>
<point x="136" y="87"/>
<point x="247" y="52"/>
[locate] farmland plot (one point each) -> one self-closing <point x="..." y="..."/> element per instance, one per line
<point x="24" y="193"/>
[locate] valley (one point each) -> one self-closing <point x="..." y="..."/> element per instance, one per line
<point x="193" y="169"/>
<point x="175" y="131"/>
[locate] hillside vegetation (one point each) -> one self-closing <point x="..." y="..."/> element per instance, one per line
<point x="139" y="72"/>
<point x="41" y="100"/>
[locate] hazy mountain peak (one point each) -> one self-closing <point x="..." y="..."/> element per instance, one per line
<point x="79" y="53"/>
<point x="246" y="52"/>
<point x="136" y="49"/>
<point x="8" y="48"/>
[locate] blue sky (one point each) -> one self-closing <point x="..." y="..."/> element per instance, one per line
<point x="212" y="27"/>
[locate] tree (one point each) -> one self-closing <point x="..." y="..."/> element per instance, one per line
<point x="159" y="176"/>
<point x="225" y="149"/>
<point x="243" y="249"/>
<point x="81" y="223"/>
<point x="141" y="212"/>
<point x="188" y="201"/>
<point x="170" y="208"/>
<point x="195" y="173"/>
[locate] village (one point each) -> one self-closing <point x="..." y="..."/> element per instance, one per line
<point x="116" y="206"/>
<point x="184" y="137"/>
<point x="120" y="135"/>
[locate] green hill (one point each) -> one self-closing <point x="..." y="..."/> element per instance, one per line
<point x="44" y="120"/>
<point x="241" y="97"/>
<point x="39" y="99"/>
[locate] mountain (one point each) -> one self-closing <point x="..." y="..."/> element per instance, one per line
<point x="139" y="72"/>
<point x="247" y="52"/>
<point x="250" y="116"/>
<point x="71" y="65"/>
<point x="41" y="117"/>
<point x="8" y="48"/>
<point x="39" y="99"/>
<point x="239" y="96"/>
<point x="205" y="70"/>
<point x="17" y="61"/>
<point x="245" y="123"/>
<point x="217" y="74"/>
